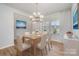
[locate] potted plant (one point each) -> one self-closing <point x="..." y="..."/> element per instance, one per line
<point x="69" y="34"/>
<point x="55" y="31"/>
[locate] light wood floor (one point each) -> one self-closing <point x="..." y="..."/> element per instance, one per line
<point x="57" y="49"/>
<point x="10" y="51"/>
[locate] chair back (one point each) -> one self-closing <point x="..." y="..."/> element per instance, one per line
<point x="19" y="42"/>
<point x="43" y="41"/>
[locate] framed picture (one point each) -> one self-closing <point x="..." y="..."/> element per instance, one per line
<point x="20" y="24"/>
<point x="75" y="19"/>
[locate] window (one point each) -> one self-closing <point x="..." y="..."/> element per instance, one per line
<point x="55" y="26"/>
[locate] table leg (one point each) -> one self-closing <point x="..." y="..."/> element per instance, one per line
<point x="34" y="50"/>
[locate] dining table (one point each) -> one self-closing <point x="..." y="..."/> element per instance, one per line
<point x="34" y="40"/>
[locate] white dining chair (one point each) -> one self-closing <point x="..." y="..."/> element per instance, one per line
<point x="24" y="35"/>
<point x="48" y="39"/>
<point x="21" y="46"/>
<point x="42" y="45"/>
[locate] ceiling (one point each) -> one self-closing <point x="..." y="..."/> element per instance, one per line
<point x="44" y="8"/>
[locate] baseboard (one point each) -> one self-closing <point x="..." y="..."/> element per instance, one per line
<point x="58" y="42"/>
<point x="7" y="46"/>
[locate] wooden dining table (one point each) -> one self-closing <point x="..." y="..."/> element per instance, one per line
<point x="33" y="39"/>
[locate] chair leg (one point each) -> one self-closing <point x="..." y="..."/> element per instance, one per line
<point x="41" y="52"/>
<point x="51" y="43"/>
<point x="48" y="46"/>
<point x="44" y="52"/>
<point x="46" y="49"/>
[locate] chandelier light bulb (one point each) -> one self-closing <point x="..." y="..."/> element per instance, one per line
<point x="34" y="13"/>
<point x="41" y="16"/>
<point x="31" y="17"/>
<point x="38" y="13"/>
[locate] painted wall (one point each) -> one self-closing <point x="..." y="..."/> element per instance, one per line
<point x="7" y="25"/>
<point x="18" y="32"/>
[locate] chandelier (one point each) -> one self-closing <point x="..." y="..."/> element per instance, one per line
<point x="37" y="16"/>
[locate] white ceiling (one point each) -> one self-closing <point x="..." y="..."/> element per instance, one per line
<point x="44" y="8"/>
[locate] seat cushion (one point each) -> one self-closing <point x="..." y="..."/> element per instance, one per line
<point x="25" y="46"/>
<point x="40" y="46"/>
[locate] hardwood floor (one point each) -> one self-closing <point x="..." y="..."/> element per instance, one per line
<point x="10" y="51"/>
<point x="57" y="49"/>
